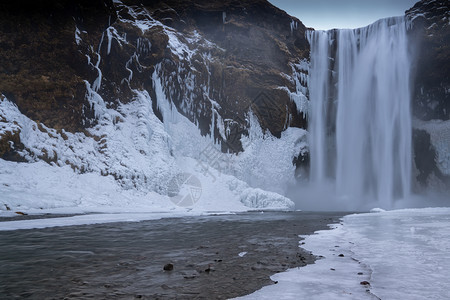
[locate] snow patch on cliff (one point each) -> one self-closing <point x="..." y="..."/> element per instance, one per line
<point x="299" y="78"/>
<point x="440" y="139"/>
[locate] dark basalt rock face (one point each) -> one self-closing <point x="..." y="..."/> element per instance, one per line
<point x="51" y="51"/>
<point x="430" y="31"/>
<point x="255" y="45"/>
<point x="41" y="68"/>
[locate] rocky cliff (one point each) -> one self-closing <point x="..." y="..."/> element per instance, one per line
<point x="136" y="89"/>
<point x="429" y="22"/>
<point x="430" y="33"/>
<point x="108" y="86"/>
<point x="218" y="58"/>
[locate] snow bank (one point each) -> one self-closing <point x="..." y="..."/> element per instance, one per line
<point x="403" y="254"/>
<point x="132" y="159"/>
<point x="267" y="161"/>
<point x="126" y="162"/>
<point x="88" y="219"/>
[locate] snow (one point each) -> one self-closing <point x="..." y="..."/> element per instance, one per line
<point x="411" y="18"/>
<point x="402" y="254"/>
<point x="377" y="209"/>
<point x="299" y="78"/>
<point x="129" y="157"/>
<point x="440" y="139"/>
<point x="127" y="160"/>
<point x="242" y="254"/>
<point x="88" y="219"/>
<point x="267" y="161"/>
<point x="78" y="39"/>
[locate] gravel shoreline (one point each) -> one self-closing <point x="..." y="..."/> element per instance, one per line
<point x="213" y="257"/>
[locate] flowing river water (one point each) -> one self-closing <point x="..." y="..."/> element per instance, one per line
<point x="213" y="257"/>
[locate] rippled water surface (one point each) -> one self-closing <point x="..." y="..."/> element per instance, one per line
<point x="125" y="260"/>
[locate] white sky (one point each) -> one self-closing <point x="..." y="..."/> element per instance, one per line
<point x="328" y="14"/>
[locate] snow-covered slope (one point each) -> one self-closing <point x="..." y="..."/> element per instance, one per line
<point x="165" y="99"/>
<point x="127" y="161"/>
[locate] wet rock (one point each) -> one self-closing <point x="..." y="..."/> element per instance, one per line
<point x="168" y="267"/>
<point x="209" y="269"/>
<point x="430" y="32"/>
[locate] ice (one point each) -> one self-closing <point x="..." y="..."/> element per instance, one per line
<point x="259" y="198"/>
<point x="128" y="157"/>
<point x="402" y="254"/>
<point x="293" y="25"/>
<point x="242" y="254"/>
<point x="88" y="219"/>
<point x="77" y="36"/>
<point x="267" y="161"/>
<point x="112" y="33"/>
<point x="440" y="139"/>
<point x="300" y="79"/>
<point x="130" y="166"/>
<point x="407" y="250"/>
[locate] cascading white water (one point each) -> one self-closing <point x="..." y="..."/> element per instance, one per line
<point x="360" y="124"/>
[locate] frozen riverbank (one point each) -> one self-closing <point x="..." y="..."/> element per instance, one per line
<point x="402" y="254"/>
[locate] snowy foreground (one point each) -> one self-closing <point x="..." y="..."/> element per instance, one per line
<point x="402" y="254"/>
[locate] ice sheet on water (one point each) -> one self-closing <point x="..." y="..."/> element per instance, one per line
<point x="403" y="254"/>
<point x="88" y="220"/>
<point x="242" y="254"/>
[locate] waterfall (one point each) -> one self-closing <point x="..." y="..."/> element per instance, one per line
<point x="360" y="126"/>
